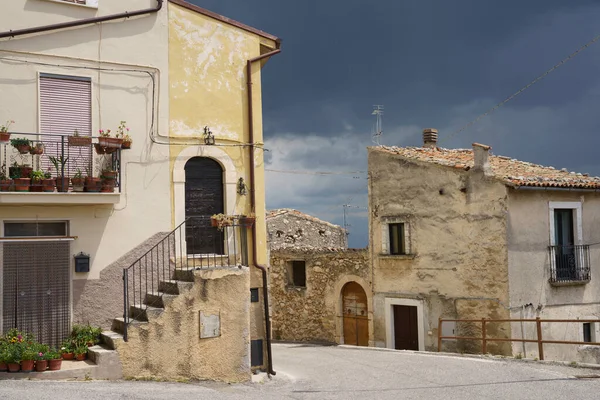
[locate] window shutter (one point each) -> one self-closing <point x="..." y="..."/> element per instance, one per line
<point x="66" y="106"/>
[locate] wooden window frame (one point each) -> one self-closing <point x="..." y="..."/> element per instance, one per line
<point x="386" y="245"/>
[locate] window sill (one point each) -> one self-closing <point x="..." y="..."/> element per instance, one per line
<point x="570" y="283"/>
<point x="59" y="198"/>
<point x="398" y="256"/>
<point x="296" y="288"/>
<point x="93" y="4"/>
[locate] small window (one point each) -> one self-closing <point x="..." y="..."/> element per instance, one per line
<point x="587" y="332"/>
<point x="254" y="295"/>
<point x="397" y="239"/>
<point x="297" y="273"/>
<point x="35" y="229"/>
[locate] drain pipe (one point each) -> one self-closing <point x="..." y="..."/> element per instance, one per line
<point x="262" y="268"/>
<point x="80" y="22"/>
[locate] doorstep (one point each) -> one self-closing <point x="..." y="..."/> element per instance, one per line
<point x="75" y="370"/>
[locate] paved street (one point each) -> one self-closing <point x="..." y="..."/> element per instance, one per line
<point x="312" y="372"/>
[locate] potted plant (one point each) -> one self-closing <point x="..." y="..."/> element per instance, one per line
<point x="20" y="184"/>
<point x="81" y="352"/>
<point x="54" y="360"/>
<point x="48" y="182"/>
<point x="13" y="357"/>
<point x="247" y="220"/>
<point x="126" y="141"/>
<point x="221" y="220"/>
<point x="62" y="182"/>
<point x="109" y="176"/>
<point x="78" y="181"/>
<point x="28" y="357"/>
<point x="123" y="132"/>
<point x="107" y="144"/>
<point x="41" y="361"/>
<point x="67" y="350"/>
<point x="5" y="180"/>
<point x="37" y="149"/>
<point x="4" y="134"/>
<point x="3" y="355"/>
<point x="37" y="178"/>
<point x="78" y="140"/>
<point x="21" y="144"/>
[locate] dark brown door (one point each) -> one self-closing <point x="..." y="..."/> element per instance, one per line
<point x="356" y="316"/>
<point x="406" y="336"/>
<point x="203" y="198"/>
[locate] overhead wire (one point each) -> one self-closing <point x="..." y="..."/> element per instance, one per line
<point x="524" y="88"/>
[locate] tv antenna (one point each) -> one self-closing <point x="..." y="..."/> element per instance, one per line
<point x="346" y="224"/>
<point x="378" y="129"/>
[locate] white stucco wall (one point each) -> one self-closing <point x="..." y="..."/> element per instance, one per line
<point x="136" y="48"/>
<point x="531" y="294"/>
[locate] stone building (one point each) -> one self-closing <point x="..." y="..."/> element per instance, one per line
<point x="289" y="228"/>
<point x="466" y="234"/>
<point x="320" y="290"/>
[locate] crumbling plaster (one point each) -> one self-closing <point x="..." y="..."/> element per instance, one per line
<point x="292" y="229"/>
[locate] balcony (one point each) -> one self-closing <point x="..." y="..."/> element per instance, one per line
<point x="569" y="265"/>
<point x="59" y="169"/>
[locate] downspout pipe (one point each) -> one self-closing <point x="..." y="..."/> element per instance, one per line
<point x="80" y="22"/>
<point x="262" y="268"/>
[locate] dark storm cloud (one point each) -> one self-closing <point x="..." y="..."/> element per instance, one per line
<point x="432" y="64"/>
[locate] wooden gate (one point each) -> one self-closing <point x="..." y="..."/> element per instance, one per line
<point x="356" y="315"/>
<point x="203" y="198"/>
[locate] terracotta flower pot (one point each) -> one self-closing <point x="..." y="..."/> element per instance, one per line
<point x="54" y="365"/>
<point x="81" y="141"/>
<point x="78" y="184"/>
<point x="109" y="175"/>
<point x="80" y="357"/>
<point x="26" y="171"/>
<point x="3" y="366"/>
<point x="48" y="185"/>
<point x="27" y="365"/>
<point x="5" y="186"/>
<point x="14" y="367"/>
<point x="68" y="356"/>
<point x="36" y="150"/>
<point x="41" y="365"/>
<point x="247" y="221"/>
<point x="4" y="137"/>
<point x="23" y="148"/>
<point x="126" y="145"/>
<point x="36" y="186"/>
<point x="22" y="184"/>
<point x="108" y="186"/>
<point x="62" y="184"/>
<point x="93" y="184"/>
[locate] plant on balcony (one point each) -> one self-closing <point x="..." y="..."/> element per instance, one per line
<point x="92" y="184"/>
<point x="247" y="220"/>
<point x="5" y="180"/>
<point x="123" y="132"/>
<point x="37" y="178"/>
<point x="220" y="221"/>
<point x="20" y="184"/>
<point x="126" y="141"/>
<point x="107" y="144"/>
<point x="108" y="176"/>
<point x="22" y="145"/>
<point x="48" y="182"/>
<point x="78" y="140"/>
<point x="78" y="181"/>
<point x="37" y="149"/>
<point x="4" y="134"/>
<point x="62" y="182"/>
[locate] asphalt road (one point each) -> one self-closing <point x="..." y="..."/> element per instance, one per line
<point x="312" y="372"/>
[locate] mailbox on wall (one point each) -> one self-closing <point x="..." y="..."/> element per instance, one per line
<point x="82" y="262"/>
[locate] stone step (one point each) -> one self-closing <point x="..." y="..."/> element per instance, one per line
<point x="143" y="312"/>
<point x="118" y="324"/>
<point x="159" y="299"/>
<point x="111" y="339"/>
<point x="108" y="362"/>
<point x="174" y="286"/>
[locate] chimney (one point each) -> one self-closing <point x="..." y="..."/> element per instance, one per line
<point x="481" y="155"/>
<point x="430" y="138"/>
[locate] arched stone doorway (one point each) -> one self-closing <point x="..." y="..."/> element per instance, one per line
<point x="355" y="315"/>
<point x="203" y="198"/>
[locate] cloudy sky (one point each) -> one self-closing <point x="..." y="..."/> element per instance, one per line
<point x="431" y="63"/>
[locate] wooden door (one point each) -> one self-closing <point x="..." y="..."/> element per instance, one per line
<point x="406" y="334"/>
<point x="356" y="315"/>
<point x="203" y="198"/>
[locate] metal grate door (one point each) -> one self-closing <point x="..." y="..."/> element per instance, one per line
<point x="36" y="289"/>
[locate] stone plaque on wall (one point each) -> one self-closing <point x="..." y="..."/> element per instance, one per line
<point x="210" y="325"/>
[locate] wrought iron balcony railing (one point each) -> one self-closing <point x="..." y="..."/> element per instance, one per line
<point x="569" y="264"/>
<point x="33" y="162"/>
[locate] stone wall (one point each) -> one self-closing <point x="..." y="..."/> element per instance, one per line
<point x="313" y="313"/>
<point x="292" y="229"/>
<point x="170" y="347"/>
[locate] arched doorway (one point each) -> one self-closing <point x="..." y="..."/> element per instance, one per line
<point x="203" y="198"/>
<point x="356" y="315"/>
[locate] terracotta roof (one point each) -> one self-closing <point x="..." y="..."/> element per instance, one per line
<point x="290" y="211"/>
<point x="510" y="171"/>
<point x="229" y="21"/>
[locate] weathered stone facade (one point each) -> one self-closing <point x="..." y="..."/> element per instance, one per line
<point x="289" y="228"/>
<point x="313" y="313"/>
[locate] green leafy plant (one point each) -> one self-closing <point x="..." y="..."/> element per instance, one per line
<point x="30" y="352"/>
<point x="104" y="133"/>
<point x="81" y="350"/>
<point x="122" y="129"/>
<point x="37" y="176"/>
<point x="48" y="174"/>
<point x="51" y="354"/>
<point x="6" y="127"/>
<point x="78" y="174"/>
<point x="20" y="142"/>
<point x="58" y="163"/>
